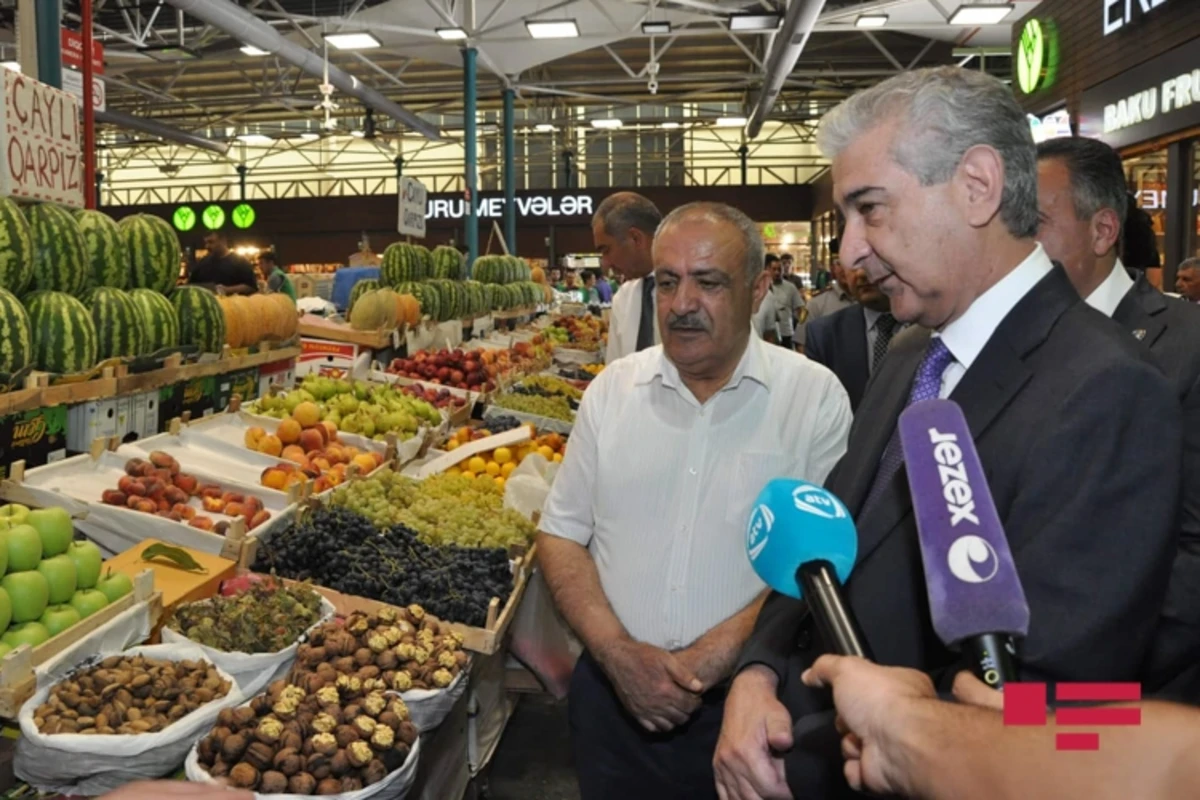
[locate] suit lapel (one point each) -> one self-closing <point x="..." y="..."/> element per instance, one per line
<point x="1141" y="312"/>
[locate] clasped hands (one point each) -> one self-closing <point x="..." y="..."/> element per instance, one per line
<point x="661" y="689"/>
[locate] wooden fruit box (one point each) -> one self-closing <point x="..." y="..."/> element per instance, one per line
<point x="18" y="681"/>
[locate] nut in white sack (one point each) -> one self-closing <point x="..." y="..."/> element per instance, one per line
<point x="78" y="764"/>
<point x="526" y="489"/>
<point x="428" y="708"/>
<point x="253" y="671"/>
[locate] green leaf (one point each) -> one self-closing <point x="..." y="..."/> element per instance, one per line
<point x="178" y="556"/>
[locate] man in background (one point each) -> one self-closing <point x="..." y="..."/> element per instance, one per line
<point x="1187" y="280"/>
<point x="789" y="271"/>
<point x="623" y="231"/>
<point x="604" y="289"/>
<point x="277" y="278"/>
<point x="835" y="298"/>
<point x="223" y="270"/>
<point x="788" y="302"/>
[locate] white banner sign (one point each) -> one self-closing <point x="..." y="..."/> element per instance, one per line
<point x="73" y="83"/>
<point x="412" y="207"/>
<point x="41" y="144"/>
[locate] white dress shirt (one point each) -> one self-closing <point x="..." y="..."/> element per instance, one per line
<point x="966" y="336"/>
<point x="788" y="302"/>
<point x="767" y="317"/>
<point x="624" y="319"/>
<point x="659" y="487"/>
<point x="1108" y="295"/>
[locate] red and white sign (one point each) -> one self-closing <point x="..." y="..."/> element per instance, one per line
<point x="72" y="51"/>
<point x="40" y="142"/>
<point x="72" y="82"/>
<point x="332" y="359"/>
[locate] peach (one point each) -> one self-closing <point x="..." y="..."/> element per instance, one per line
<point x="321" y="463"/>
<point x="336" y="454"/>
<point x="288" y="431"/>
<point x="113" y="497"/>
<point x="186" y="482"/>
<point x="378" y="456"/>
<point x="274" y="478"/>
<point x="331" y="430"/>
<point x="131" y="487"/>
<point x="295" y="479"/>
<point x="233" y="497"/>
<point x="259" y="519"/>
<point x="307" y="414"/>
<point x="271" y="444"/>
<point x="184" y="510"/>
<point x="234" y="510"/>
<point x="253" y="437"/>
<point x="175" y="495"/>
<point x="146" y="506"/>
<point x="203" y="523"/>
<point x="312" y="439"/>
<point x="162" y="504"/>
<point x="252" y="503"/>
<point x="322" y="483"/>
<point x="210" y="490"/>
<point x="295" y="454"/>
<point x="214" y="504"/>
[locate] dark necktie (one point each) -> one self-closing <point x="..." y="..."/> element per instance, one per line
<point x="926" y="386"/>
<point x="645" y="336"/>
<point x="885" y="326"/>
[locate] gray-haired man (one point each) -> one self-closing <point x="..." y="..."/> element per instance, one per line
<point x="623" y="231"/>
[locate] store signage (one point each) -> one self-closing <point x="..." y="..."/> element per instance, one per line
<point x="1160" y="97"/>
<point x="531" y="207"/>
<point x="184" y="218"/>
<point x="1031" y="56"/>
<point x="72" y="81"/>
<point x="72" y="51"/>
<point x="412" y="207"/>
<point x="1119" y="13"/>
<point x="1156" y="199"/>
<point x="213" y="217"/>
<point x="243" y="215"/>
<point x="39" y="140"/>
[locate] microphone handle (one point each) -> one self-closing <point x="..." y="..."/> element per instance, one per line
<point x="991" y="658"/>
<point x="835" y="621"/>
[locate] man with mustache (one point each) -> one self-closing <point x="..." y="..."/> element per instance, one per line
<point x="642" y="535"/>
<point x="935" y="171"/>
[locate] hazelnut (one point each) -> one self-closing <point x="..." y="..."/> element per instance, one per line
<point x="324" y="723"/>
<point x="329" y="786"/>
<point x="325" y="744"/>
<point x="383" y="738"/>
<point x="288" y="762"/>
<point x="259" y="755"/>
<point x="359" y="754"/>
<point x="328" y="695"/>
<point x="442" y="678"/>
<point x="374" y="772"/>
<point x="345" y="734"/>
<point x="402" y="681"/>
<point x="364" y="726"/>
<point x="269" y="730"/>
<point x="244" y="776"/>
<point x="303" y="783"/>
<point x="233" y="747"/>
<point x="351" y="784"/>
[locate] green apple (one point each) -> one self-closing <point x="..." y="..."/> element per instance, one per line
<point x="13" y="514"/>
<point x="30" y="633"/>
<point x="115" y="585"/>
<point x="55" y="527"/>
<point x="28" y="592"/>
<point x="60" y="577"/>
<point x="5" y="611"/>
<point x="88" y="561"/>
<point x="24" y="548"/>
<point x="88" y="602"/>
<point x="58" y="618"/>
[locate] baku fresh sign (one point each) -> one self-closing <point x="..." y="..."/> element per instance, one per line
<point x="243" y="215"/>
<point x="184" y="218"/>
<point x="1119" y="13"/>
<point x="40" y="129"/>
<point x="1159" y="97"/>
<point x="527" y="207"/>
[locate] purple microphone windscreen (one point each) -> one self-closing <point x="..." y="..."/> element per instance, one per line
<point x="972" y="581"/>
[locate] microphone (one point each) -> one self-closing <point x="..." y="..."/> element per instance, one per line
<point x="802" y="542"/>
<point x="975" y="595"/>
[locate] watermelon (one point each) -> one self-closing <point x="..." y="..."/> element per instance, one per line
<point x="358" y="290"/>
<point x="160" y="326"/>
<point x="201" y="321"/>
<point x="16" y="344"/>
<point x="402" y="263"/>
<point x="59" y="252"/>
<point x="64" y="337"/>
<point x="425" y="261"/>
<point x="119" y="328"/>
<point x="154" y="253"/>
<point x="106" y="251"/>
<point x="447" y="263"/>
<point x="16" y="248"/>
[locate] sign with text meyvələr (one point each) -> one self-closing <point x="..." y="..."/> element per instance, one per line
<point x="412" y="207"/>
<point x="40" y="126"/>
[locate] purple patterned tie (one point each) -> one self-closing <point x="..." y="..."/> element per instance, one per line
<point x="926" y="386"/>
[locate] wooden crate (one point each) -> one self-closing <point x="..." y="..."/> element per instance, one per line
<point x="18" y="681"/>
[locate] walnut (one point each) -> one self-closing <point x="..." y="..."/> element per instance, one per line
<point x="388" y="614"/>
<point x="359" y="754"/>
<point x="364" y="656"/>
<point x="244" y="776"/>
<point x="324" y="723"/>
<point x="319" y="766"/>
<point x="400" y="709"/>
<point x="451" y="641"/>
<point x="233" y="747"/>
<point x="386" y="660"/>
<point x="442" y="678"/>
<point x="374" y="772"/>
<point x="420" y="655"/>
<point x="259" y="755"/>
<point x="425" y="637"/>
<point x="225" y="718"/>
<point x="288" y="762"/>
<point x="351" y="784"/>
<point x="374" y="704"/>
<point x="286" y="708"/>
<point x="303" y="783"/>
<point x="351" y="711"/>
<point x="325" y="744"/>
<point x="368" y="672"/>
<point x="307" y="654"/>
<point x="405" y="651"/>
<point x="393" y="635"/>
<point x="402" y="681"/>
<point x="346" y="735"/>
<point x="383" y="738"/>
<point x="416" y="612"/>
<point x="273" y="783"/>
<point x="447" y="660"/>
<point x="333" y="711"/>
<point x="291" y="739"/>
<point x="329" y="786"/>
<point x="269" y="730"/>
<point x="373" y="685"/>
<point x="313" y="682"/>
<point x="364" y="726"/>
<point x="340" y="643"/>
<point x="389" y="719"/>
<point x="378" y="643"/>
<point x="407" y="733"/>
<point x="294" y="693"/>
<point x="244" y="716"/>
<point x="343" y="666"/>
<point x="358" y="624"/>
<point x="328" y="695"/>
<point x="339" y="765"/>
<point x="219" y="769"/>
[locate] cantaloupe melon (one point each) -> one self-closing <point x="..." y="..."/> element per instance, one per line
<point x="373" y="311"/>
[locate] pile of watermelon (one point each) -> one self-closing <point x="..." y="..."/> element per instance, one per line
<point x="448" y="263"/>
<point x="501" y="269"/>
<point x="403" y="263"/>
<point x="522" y="294"/>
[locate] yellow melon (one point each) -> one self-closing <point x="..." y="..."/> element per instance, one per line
<point x="373" y="311"/>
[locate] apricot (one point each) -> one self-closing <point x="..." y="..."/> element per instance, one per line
<point x="331" y="431"/>
<point x="203" y="523"/>
<point x="214" y="504"/>
<point x="289" y="431"/>
<point x="295" y="454"/>
<point x="307" y="414"/>
<point x="253" y="437"/>
<point x="271" y="444"/>
<point x="322" y="483"/>
<point x="312" y="439"/>
<point x="365" y="463"/>
<point x="274" y="478"/>
<point x="321" y="463"/>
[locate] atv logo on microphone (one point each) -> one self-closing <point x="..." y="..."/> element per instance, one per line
<point x="812" y="500"/>
<point x="757" y="532"/>
<point x="972" y="559"/>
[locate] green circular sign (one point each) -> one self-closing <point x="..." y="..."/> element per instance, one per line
<point x="243" y="215"/>
<point x="184" y="218"/>
<point x="1031" y="56"/>
<point x="213" y="217"/>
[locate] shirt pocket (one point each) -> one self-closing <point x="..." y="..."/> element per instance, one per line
<point x="752" y="470"/>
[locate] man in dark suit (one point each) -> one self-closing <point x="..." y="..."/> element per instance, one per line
<point x="852" y="342"/>
<point x="1085" y="209"/>
<point x="935" y="171"/>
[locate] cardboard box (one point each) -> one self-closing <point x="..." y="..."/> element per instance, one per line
<point x="177" y="585"/>
<point x="37" y="436"/>
<point x="170" y="405"/>
<point x="282" y="373"/>
<point x="147" y="413"/>
<point x="200" y="397"/>
<point x="243" y="383"/>
<point x="333" y="359"/>
<point x="87" y="422"/>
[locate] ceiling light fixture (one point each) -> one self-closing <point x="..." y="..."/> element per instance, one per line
<point x="552" y="28"/>
<point x="661" y="28"/>
<point x="754" y="22"/>
<point x="251" y="50"/>
<point x="607" y="123"/>
<point x="170" y="53"/>
<point x="871" y="21"/>
<point x="544" y="127"/>
<point x="358" y="134"/>
<point x="731" y="122"/>
<point x="451" y="34"/>
<point x="981" y="14"/>
<point x="669" y="126"/>
<point x="309" y="136"/>
<point x="254" y="138"/>
<point x="353" y="41"/>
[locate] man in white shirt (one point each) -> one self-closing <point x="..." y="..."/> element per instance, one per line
<point x="766" y="319"/>
<point x="830" y="301"/>
<point x="642" y="537"/>
<point x="1077" y="429"/>
<point x="788" y="302"/>
<point x="623" y="230"/>
<point x="1085" y="206"/>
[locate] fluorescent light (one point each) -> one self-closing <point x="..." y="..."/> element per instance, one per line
<point x="552" y="28"/>
<point x="254" y="138"/>
<point x="251" y="50"/>
<point x="544" y="127"/>
<point x="731" y="122"/>
<point x="15" y="66"/>
<point x="754" y="22"/>
<point x="358" y="134"/>
<point x="656" y="28"/>
<point x="871" y="21"/>
<point x="451" y="34"/>
<point x="980" y="14"/>
<point x="309" y="136"/>
<point x="669" y="126"/>
<point x="607" y="123"/>
<point x="353" y="41"/>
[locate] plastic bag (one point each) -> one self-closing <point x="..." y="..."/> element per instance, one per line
<point x="526" y="489"/>
<point x="429" y="707"/>
<point x="253" y="671"/>
<point x="75" y="764"/>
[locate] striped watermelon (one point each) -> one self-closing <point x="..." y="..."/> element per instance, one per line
<point x="107" y="254"/>
<point x="201" y="320"/>
<point x="118" y="324"/>
<point x="402" y="263"/>
<point x="60" y="261"/>
<point x="154" y="253"/>
<point x="16" y="248"/>
<point x="447" y="263"/>
<point x="64" y="337"/>
<point x="358" y="290"/>
<point x="160" y="326"/>
<point x="16" y="345"/>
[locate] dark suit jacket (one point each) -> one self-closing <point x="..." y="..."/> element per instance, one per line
<point x="1078" y="431"/>
<point x="1171" y="329"/>
<point x="839" y="341"/>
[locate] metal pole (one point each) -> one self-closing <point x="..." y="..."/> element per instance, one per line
<point x="99" y="189"/>
<point x="744" y="154"/>
<point x="567" y="169"/>
<point x="242" y="169"/>
<point x="469" y="144"/>
<point x="49" y="47"/>
<point x="510" y="171"/>
<point x="89" y="106"/>
<point x="399" y="162"/>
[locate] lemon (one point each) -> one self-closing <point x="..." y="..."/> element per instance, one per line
<point x="476" y="465"/>
<point x="466" y="473"/>
<point x="506" y="469"/>
<point x="557" y="459"/>
<point x="453" y="444"/>
<point x="499" y="482"/>
<point x="546" y="451"/>
<point x="502" y="455"/>
<point x="493" y="468"/>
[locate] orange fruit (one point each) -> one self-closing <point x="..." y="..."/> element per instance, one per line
<point x="289" y="431"/>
